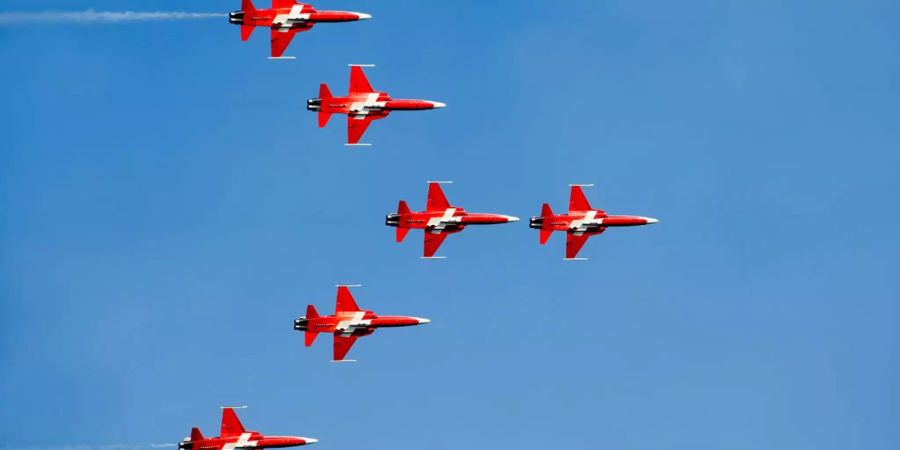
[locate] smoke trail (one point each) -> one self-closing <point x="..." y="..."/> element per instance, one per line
<point x="90" y="16"/>
<point x="90" y="447"/>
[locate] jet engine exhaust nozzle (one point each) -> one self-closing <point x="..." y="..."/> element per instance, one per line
<point x="392" y="220"/>
<point x="314" y="104"/>
<point x="536" y="222"/>
<point x="301" y="324"/>
<point x="236" y="17"/>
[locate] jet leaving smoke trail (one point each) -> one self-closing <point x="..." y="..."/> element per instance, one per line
<point x="91" y="447"/>
<point x="90" y="16"/>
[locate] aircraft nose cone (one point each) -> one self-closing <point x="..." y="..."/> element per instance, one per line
<point x="438" y="105"/>
<point x="651" y="220"/>
<point x="422" y="321"/>
<point x="364" y="16"/>
<point x="310" y="440"/>
<point x="512" y="218"/>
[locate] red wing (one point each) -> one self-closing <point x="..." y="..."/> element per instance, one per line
<point x="359" y="84"/>
<point x="357" y="125"/>
<point x="231" y="425"/>
<point x="437" y="201"/>
<point x="277" y="4"/>
<point x="432" y="242"/>
<point x="281" y="39"/>
<point x="574" y="244"/>
<point x="577" y="200"/>
<point x="342" y="345"/>
<point x="345" y="300"/>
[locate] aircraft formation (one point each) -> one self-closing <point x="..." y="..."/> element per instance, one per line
<point x="439" y="219"/>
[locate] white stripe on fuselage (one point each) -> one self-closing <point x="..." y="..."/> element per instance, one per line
<point x="242" y="442"/>
<point x="284" y="21"/>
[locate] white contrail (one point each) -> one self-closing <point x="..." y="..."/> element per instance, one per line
<point x="90" y="447"/>
<point x="90" y="16"/>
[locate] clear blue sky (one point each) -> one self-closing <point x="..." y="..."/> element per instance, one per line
<point x="168" y="207"/>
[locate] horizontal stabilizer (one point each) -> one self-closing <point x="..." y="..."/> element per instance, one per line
<point x="196" y="435"/>
<point x="545" y="235"/>
<point x="546" y="211"/>
<point x="324" y="95"/>
<point x="246" y="31"/>
<point x="401" y="233"/>
<point x="310" y="337"/>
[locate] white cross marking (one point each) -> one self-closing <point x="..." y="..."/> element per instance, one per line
<point x="364" y="107"/>
<point x="356" y="321"/>
<point x="588" y="222"/>
<point x="242" y="442"/>
<point x="439" y="223"/>
<point x="284" y="21"/>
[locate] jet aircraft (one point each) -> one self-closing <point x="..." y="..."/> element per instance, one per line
<point x="348" y="323"/>
<point x="439" y="219"/>
<point x="286" y="18"/>
<point x="362" y="104"/>
<point x="234" y="437"/>
<point x="581" y="222"/>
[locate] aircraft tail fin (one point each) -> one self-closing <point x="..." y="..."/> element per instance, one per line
<point x="247" y="6"/>
<point x="196" y="435"/>
<point x="324" y="94"/>
<point x="546" y="231"/>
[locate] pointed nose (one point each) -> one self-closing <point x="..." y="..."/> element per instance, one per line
<point x="364" y="16"/>
<point x="512" y="218"/>
<point x="422" y="321"/>
<point x="651" y="220"/>
<point x="438" y="105"/>
<point x="310" y="440"/>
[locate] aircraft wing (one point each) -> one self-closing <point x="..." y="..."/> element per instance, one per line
<point x="357" y="125"/>
<point x="281" y="38"/>
<point x="437" y="201"/>
<point x="282" y="4"/>
<point x="433" y="241"/>
<point x="574" y="244"/>
<point x="345" y="301"/>
<point x="231" y="425"/>
<point x="359" y="84"/>
<point x="342" y="345"/>
<point x="577" y="200"/>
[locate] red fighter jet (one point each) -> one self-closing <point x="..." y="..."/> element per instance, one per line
<point x="439" y="219"/>
<point x="362" y="105"/>
<point x="581" y="222"/>
<point x="348" y="323"/>
<point x="286" y="18"/>
<point x="234" y="437"/>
